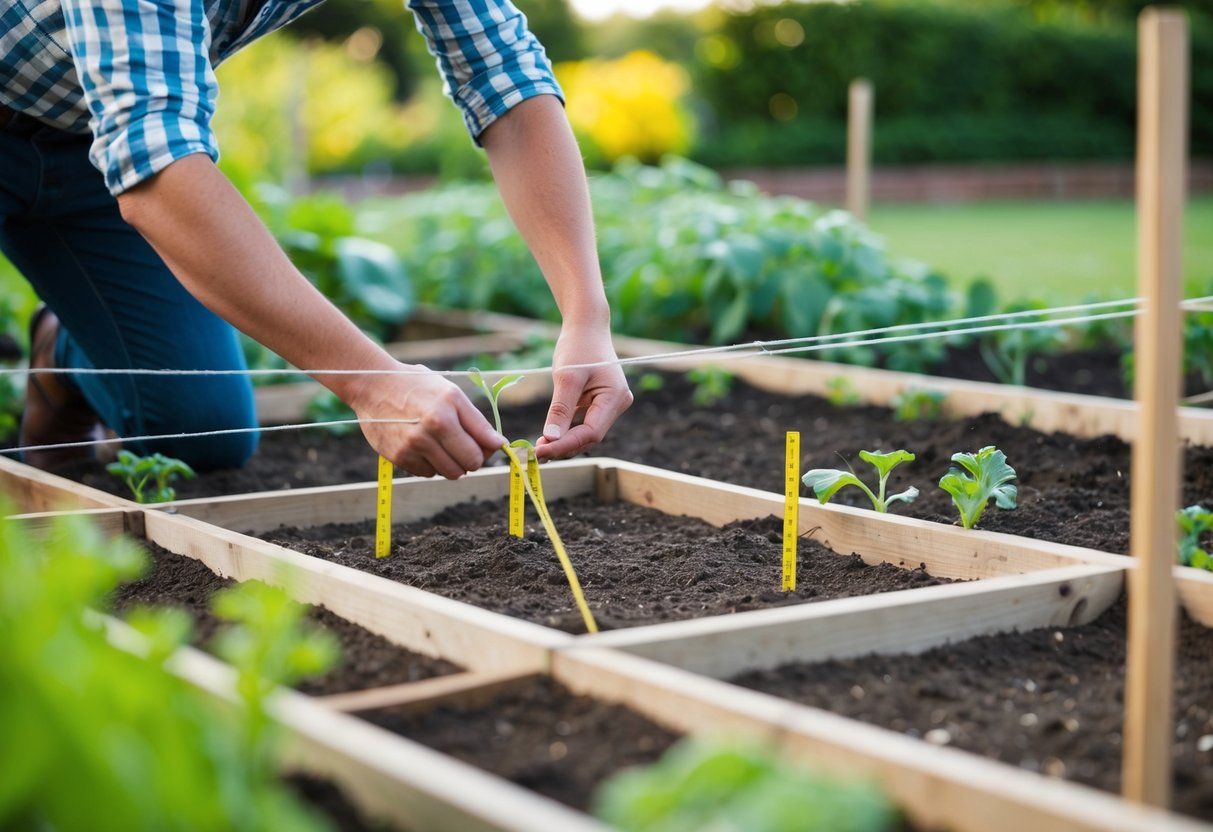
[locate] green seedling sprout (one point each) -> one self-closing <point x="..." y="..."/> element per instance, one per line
<point x="979" y="477"/>
<point x="840" y="392"/>
<point x="533" y="490"/>
<point x="148" y="477"/>
<point x="916" y="404"/>
<point x="826" y="482"/>
<point x="712" y="384"/>
<point x="1194" y="522"/>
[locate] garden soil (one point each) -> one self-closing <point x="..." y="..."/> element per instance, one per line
<point x="1050" y="700"/>
<point x="1071" y="490"/>
<point x="636" y="565"/>
<point x="368" y="660"/>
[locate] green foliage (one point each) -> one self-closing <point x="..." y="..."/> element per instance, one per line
<point x="650" y="382"/>
<point x="711" y="785"/>
<point x="1194" y="522"/>
<point x="826" y="482"/>
<point x="536" y="351"/>
<point x="325" y="407"/>
<point x="712" y="385"/>
<point x="107" y="739"/>
<point x="684" y="257"/>
<point x="1074" y="99"/>
<point x="840" y="392"/>
<point x="148" y="477"/>
<point x="979" y="477"/>
<point x="916" y="404"/>
<point x="1007" y="352"/>
<point x="364" y="278"/>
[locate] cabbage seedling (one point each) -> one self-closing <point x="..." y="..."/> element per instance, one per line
<point x="1194" y="521"/>
<point x="156" y="471"/>
<point x="826" y="482"/>
<point x="979" y="477"/>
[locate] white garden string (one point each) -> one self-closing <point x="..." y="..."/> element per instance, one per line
<point x="952" y="327"/>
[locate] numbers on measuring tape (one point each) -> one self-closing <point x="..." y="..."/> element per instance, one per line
<point x="791" y="509"/>
<point x="383" y="513"/>
<point x="517" y="498"/>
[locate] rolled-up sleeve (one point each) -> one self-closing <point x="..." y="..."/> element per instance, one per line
<point x="148" y="83"/>
<point x="488" y="57"/>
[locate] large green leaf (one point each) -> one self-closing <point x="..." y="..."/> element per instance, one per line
<point x="373" y="274"/>
<point x="826" y="482"/>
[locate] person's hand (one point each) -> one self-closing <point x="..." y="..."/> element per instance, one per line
<point x="586" y="401"/>
<point x="450" y="438"/>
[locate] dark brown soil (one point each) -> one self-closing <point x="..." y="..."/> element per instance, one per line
<point x="1049" y="700"/>
<point x="540" y="736"/>
<point x="327" y="798"/>
<point x="1071" y="490"/>
<point x="367" y="660"/>
<point x="636" y="565"/>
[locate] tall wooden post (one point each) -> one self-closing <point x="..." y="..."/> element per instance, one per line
<point x="859" y="147"/>
<point x="1162" y="79"/>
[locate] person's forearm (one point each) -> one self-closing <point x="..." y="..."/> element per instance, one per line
<point x="223" y="254"/>
<point x="540" y="174"/>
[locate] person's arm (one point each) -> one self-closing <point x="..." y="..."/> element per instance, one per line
<point x="538" y="169"/>
<point x="221" y="252"/>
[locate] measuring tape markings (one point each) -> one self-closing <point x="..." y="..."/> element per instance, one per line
<point x="383" y="510"/>
<point x="517" y="498"/>
<point x="791" y="508"/>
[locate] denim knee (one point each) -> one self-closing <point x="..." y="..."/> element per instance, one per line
<point x="210" y="406"/>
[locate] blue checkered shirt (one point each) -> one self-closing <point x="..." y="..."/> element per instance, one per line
<point x="139" y="74"/>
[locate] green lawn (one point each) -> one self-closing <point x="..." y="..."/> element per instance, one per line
<point x="1058" y="251"/>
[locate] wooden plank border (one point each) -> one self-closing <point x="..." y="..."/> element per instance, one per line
<point x="34" y="490"/>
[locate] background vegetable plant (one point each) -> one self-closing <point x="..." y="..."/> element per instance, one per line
<point x="1194" y="523"/>
<point x="149" y="477"/>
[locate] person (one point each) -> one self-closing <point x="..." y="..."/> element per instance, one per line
<point x="145" y="255"/>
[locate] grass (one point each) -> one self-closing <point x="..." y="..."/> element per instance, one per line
<point x="1058" y="251"/>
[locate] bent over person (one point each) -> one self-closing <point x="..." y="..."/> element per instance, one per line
<point x="146" y="256"/>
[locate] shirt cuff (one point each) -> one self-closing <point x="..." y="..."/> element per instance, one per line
<point x="147" y="145"/>
<point x="484" y="104"/>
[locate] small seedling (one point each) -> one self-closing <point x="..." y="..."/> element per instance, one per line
<point x="494" y="392"/>
<point x="148" y="477"/>
<point x="980" y="476"/>
<point x="712" y="384"/>
<point x="650" y="383"/>
<point x="916" y="404"/>
<point x="826" y="482"/>
<point x="1194" y="522"/>
<point x="840" y="392"/>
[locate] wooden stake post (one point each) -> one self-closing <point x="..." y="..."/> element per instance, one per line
<point x="1161" y="151"/>
<point x="859" y="147"/>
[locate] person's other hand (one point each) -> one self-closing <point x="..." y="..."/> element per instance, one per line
<point x="450" y="438"/>
<point x="585" y="401"/>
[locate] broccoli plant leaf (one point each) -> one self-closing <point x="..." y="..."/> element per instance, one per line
<point x="976" y="478"/>
<point x="826" y="482"/>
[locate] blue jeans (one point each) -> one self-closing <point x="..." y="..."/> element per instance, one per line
<point x="119" y="305"/>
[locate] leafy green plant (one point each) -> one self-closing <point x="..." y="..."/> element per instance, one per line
<point x="535" y="351"/>
<point x="975" y="478"/>
<point x="1194" y="522"/>
<point x="704" y="784"/>
<point x="712" y="385"/>
<point x="148" y="477"/>
<point x="108" y="738"/>
<point x="1007" y="353"/>
<point x="840" y="392"/>
<point x="918" y="404"/>
<point x="325" y="407"/>
<point x="826" y="482"/>
<point x="650" y="382"/>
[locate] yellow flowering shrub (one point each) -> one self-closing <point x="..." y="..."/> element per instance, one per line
<point x="629" y="106"/>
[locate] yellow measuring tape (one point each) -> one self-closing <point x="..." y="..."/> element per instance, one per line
<point x="517" y="497"/>
<point x="383" y="510"/>
<point x="791" y="508"/>
<point x="534" y="488"/>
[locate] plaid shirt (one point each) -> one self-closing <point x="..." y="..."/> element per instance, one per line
<point x="140" y="75"/>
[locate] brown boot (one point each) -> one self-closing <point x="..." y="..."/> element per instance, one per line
<point x="55" y="411"/>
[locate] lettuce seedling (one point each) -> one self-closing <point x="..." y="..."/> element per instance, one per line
<point x="493" y="392"/>
<point x="840" y="392"/>
<point x="826" y="482"/>
<point x="1194" y="522"/>
<point x="712" y="384"/>
<point x="980" y="476"/>
<point x="916" y="404"/>
<point x="157" y="470"/>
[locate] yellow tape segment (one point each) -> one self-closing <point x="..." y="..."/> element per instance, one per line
<point x="791" y="508"/>
<point x="517" y="498"/>
<point x="383" y="510"/>
<point x="534" y="489"/>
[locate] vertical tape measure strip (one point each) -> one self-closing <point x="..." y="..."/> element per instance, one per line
<point x="517" y="497"/>
<point x="383" y="510"/>
<point x="534" y="489"/>
<point x="791" y="508"/>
